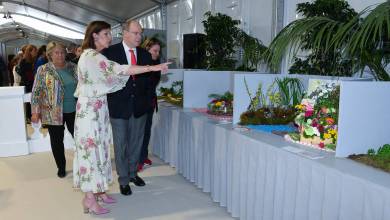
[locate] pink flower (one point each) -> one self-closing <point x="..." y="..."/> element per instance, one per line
<point x="308" y="113"/>
<point x="83" y="170"/>
<point x="314" y="123"/>
<point x="78" y="106"/>
<point x="321" y="145"/>
<point x="110" y="80"/>
<point x="90" y="143"/>
<point x="103" y="65"/>
<point x="97" y="105"/>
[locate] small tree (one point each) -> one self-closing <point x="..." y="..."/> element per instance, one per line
<point x="221" y="34"/>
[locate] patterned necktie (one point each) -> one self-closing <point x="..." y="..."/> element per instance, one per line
<point x="133" y="60"/>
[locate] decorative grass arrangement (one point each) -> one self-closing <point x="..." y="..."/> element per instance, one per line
<point x="221" y="104"/>
<point x="276" y="107"/>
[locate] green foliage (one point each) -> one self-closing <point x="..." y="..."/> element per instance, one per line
<point x="291" y="90"/>
<point x="379" y="159"/>
<point x="321" y="61"/>
<point x="221" y="34"/>
<point x="258" y="100"/>
<point x="174" y="94"/>
<point x="227" y="96"/>
<point x="222" y="39"/>
<point x="363" y="40"/>
<point x="252" y="51"/>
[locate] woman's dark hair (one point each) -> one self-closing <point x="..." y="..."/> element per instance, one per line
<point x="93" y="27"/>
<point x="41" y="51"/>
<point x="150" y="42"/>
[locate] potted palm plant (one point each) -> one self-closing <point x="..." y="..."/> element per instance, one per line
<point x="364" y="40"/>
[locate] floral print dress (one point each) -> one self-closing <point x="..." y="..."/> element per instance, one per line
<point x="92" y="171"/>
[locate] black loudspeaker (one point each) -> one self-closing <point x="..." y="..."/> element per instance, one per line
<point x="193" y="51"/>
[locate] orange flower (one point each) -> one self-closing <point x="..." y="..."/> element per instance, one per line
<point x="329" y="121"/>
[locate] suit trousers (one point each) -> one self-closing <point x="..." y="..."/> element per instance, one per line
<point x="128" y="135"/>
<point x="56" y="133"/>
<point x="148" y="131"/>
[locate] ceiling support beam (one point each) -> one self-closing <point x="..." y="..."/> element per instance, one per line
<point x="45" y="11"/>
<point x="96" y="11"/>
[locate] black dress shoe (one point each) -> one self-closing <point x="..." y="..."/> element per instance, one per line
<point x="125" y="190"/>
<point x="137" y="181"/>
<point x="61" y="173"/>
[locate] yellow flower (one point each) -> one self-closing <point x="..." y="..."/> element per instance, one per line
<point x="300" y="106"/>
<point x="218" y="104"/>
<point x="332" y="131"/>
<point x="327" y="136"/>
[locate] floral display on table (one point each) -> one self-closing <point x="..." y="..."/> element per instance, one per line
<point x="379" y="159"/>
<point x="317" y="118"/>
<point x="174" y="94"/>
<point x="276" y="107"/>
<point x="221" y="104"/>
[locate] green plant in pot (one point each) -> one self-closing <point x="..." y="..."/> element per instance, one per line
<point x="220" y="41"/>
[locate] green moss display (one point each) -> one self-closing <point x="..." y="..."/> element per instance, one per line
<point x="379" y="159"/>
<point x="268" y="116"/>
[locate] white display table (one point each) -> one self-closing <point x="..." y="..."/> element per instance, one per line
<point x="13" y="135"/>
<point x="252" y="175"/>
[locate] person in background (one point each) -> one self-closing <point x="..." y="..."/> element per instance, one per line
<point x="70" y="55"/>
<point x="26" y="69"/>
<point x="41" y="58"/>
<point x="78" y="52"/>
<point x="52" y="100"/>
<point x="92" y="171"/>
<point x="153" y="46"/>
<point x="15" y="69"/>
<point x="3" y="72"/>
<point x="10" y="67"/>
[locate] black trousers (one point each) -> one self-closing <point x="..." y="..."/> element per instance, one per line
<point x="56" y="133"/>
<point x="145" y="143"/>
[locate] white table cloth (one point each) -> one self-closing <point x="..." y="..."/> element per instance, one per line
<point x="249" y="173"/>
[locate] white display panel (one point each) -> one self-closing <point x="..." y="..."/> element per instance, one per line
<point x="198" y="85"/>
<point x="364" y="119"/>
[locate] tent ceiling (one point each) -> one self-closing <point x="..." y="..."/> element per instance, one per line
<point x="78" y="13"/>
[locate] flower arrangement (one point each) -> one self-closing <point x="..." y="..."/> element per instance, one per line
<point x="317" y="117"/>
<point x="221" y="104"/>
<point x="276" y="107"/>
<point x="174" y="94"/>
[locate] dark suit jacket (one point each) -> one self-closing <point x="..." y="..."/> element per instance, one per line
<point x="136" y="97"/>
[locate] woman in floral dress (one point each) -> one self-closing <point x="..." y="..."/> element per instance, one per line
<point x="97" y="76"/>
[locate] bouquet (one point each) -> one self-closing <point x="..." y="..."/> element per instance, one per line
<point x="221" y="104"/>
<point x="318" y="116"/>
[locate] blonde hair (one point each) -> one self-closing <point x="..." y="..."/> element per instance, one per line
<point x="50" y="47"/>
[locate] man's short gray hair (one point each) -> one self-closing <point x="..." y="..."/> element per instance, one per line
<point x="125" y="26"/>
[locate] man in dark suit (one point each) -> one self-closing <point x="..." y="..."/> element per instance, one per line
<point x="128" y="107"/>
